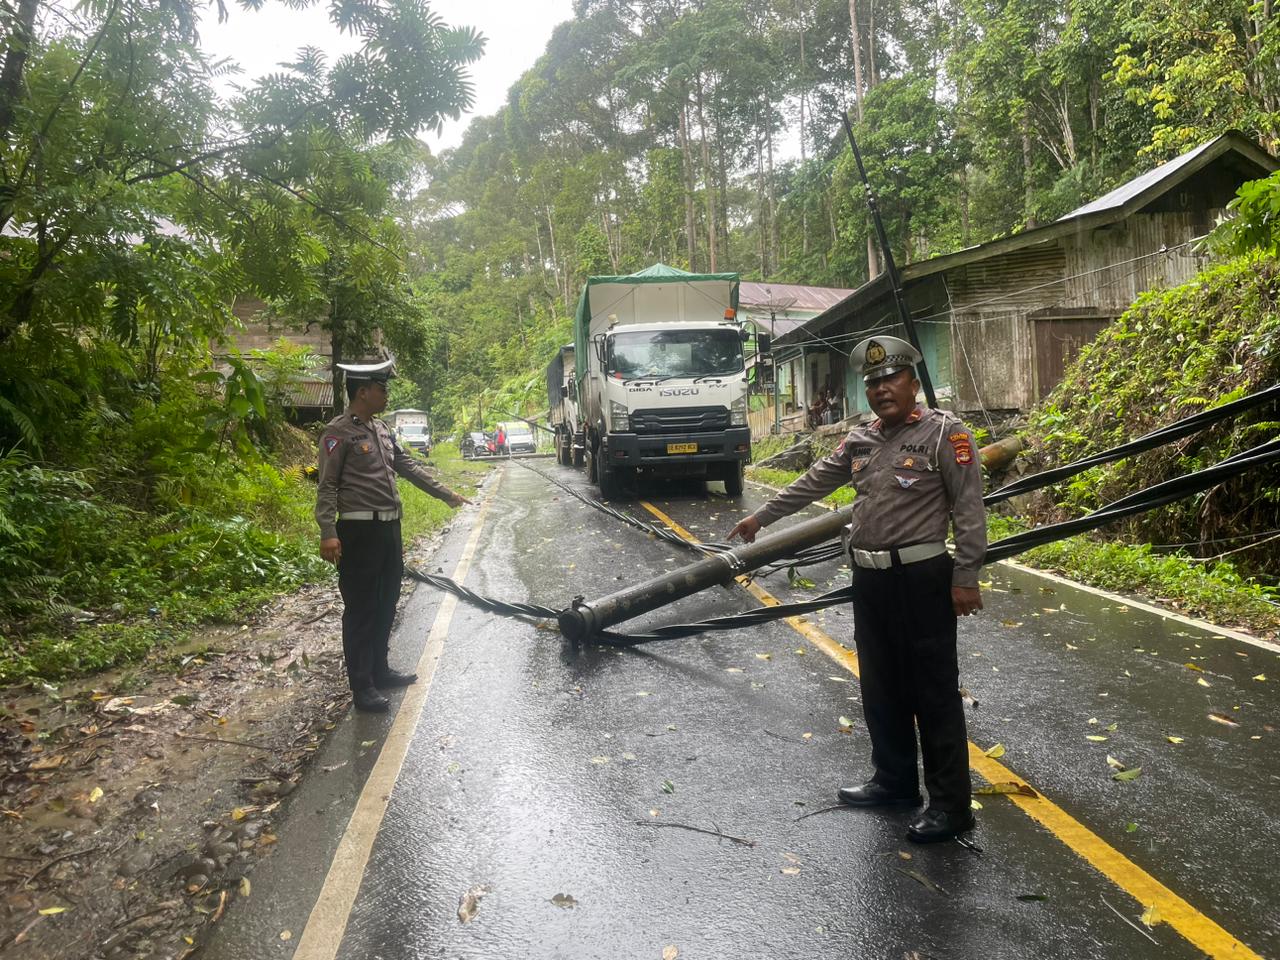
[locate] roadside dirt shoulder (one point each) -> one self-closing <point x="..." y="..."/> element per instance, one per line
<point x="135" y="804"/>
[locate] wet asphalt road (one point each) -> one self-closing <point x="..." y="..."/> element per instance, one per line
<point x="555" y="781"/>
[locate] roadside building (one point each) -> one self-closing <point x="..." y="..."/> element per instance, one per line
<point x="999" y="322"/>
<point x="778" y="309"/>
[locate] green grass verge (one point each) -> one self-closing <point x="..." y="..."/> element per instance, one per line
<point x="150" y="580"/>
<point x="1213" y="591"/>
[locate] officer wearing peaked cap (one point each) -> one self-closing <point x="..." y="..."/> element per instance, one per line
<point x="916" y="474"/>
<point x="358" y="510"/>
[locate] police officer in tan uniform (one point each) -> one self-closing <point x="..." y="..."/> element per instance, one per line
<point x="358" y="510"/>
<point x="916" y="473"/>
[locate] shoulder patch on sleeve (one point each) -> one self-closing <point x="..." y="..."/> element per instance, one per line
<point x="331" y="443"/>
<point x="962" y="447"/>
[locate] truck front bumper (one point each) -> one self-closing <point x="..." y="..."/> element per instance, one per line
<point x="656" y="450"/>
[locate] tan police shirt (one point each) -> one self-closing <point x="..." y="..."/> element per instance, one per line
<point x="359" y="460"/>
<point x="911" y="480"/>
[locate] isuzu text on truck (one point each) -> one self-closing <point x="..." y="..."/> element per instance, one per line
<point x="662" y="387"/>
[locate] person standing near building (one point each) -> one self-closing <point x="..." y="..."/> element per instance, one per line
<point x="358" y="510"/>
<point x="916" y="473"/>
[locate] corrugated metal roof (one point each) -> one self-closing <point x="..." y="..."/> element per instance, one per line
<point x="1128" y="191"/>
<point x="789" y="296"/>
<point x="310" y="393"/>
<point x="1108" y="208"/>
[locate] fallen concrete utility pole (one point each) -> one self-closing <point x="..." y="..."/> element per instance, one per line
<point x="1000" y="454"/>
<point x="584" y="619"/>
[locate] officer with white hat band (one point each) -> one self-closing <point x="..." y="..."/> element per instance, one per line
<point x="916" y="473"/>
<point x="358" y="510"/>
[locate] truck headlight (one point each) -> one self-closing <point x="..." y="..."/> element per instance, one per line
<point x="619" y="416"/>
<point x="738" y="412"/>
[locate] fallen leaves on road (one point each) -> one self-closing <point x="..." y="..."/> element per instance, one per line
<point x="846" y="725"/>
<point x="1096" y="738"/>
<point x="668" y="786"/>
<point x="1223" y="719"/>
<point x="996" y="752"/>
<point x="565" y="901"/>
<point x="1009" y="787"/>
<point x="924" y="881"/>
<point x="1124" y="775"/>
<point x="1114" y="764"/>
<point x="1174" y="739"/>
<point x="1203" y="682"/>
<point x="469" y="902"/>
<point x="1151" y="916"/>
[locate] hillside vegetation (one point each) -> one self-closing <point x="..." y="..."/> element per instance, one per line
<point x="1172" y="354"/>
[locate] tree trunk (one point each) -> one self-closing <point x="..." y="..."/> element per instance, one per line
<point x="873" y="71"/>
<point x="691" y="240"/>
<point x="1028" y="187"/>
<point x="856" y="37"/>
<point x="775" y="256"/>
<point x="761" y="216"/>
<point x="21" y="32"/>
<point x="707" y="183"/>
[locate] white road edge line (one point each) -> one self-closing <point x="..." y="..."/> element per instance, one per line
<point x="1182" y="618"/>
<point x="328" y="920"/>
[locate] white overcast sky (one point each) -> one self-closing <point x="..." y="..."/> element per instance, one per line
<point x="517" y="32"/>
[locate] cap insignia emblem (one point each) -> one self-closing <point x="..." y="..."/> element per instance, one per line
<point x="875" y="352"/>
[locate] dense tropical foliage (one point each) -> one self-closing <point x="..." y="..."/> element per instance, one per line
<point x="139" y="199"/>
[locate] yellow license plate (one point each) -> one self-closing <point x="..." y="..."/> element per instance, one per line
<point x="682" y="448"/>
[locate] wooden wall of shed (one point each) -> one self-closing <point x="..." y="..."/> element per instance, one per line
<point x="990" y="335"/>
<point x="1132" y="245"/>
<point x="260" y="333"/>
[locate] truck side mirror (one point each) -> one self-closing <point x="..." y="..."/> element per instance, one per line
<point x="599" y="345"/>
<point x="564" y="390"/>
<point x="764" y="343"/>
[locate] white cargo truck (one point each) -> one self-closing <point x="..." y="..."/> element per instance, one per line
<point x="662" y="388"/>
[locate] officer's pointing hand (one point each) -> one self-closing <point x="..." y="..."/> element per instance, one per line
<point x="458" y="500"/>
<point x="747" y="529"/>
<point x="331" y="549"/>
<point x="966" y="600"/>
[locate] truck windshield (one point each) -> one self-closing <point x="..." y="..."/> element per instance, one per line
<point x="675" y="353"/>
<point x="413" y="429"/>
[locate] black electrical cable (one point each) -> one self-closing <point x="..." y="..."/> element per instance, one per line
<point x="657" y="530"/>
<point x="1141" y="501"/>
<point x="1149" y="441"/>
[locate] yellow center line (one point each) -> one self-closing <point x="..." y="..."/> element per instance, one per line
<point x="1193" y="925"/>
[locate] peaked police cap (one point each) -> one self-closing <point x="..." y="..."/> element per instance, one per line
<point x="381" y="372"/>
<point x="883" y="356"/>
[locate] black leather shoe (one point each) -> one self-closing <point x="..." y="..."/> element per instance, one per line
<point x="369" y="700"/>
<point x="933" y="826"/>
<point x="872" y="794"/>
<point x="393" y="678"/>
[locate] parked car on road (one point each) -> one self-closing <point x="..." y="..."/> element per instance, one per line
<point x="520" y="438"/>
<point x="416" y="436"/>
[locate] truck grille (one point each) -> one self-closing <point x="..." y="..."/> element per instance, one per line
<point x="686" y="420"/>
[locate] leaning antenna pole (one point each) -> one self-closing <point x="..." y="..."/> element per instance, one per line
<point x="891" y="268"/>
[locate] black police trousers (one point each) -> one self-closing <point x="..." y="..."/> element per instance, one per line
<point x="369" y="574"/>
<point x="905" y="630"/>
